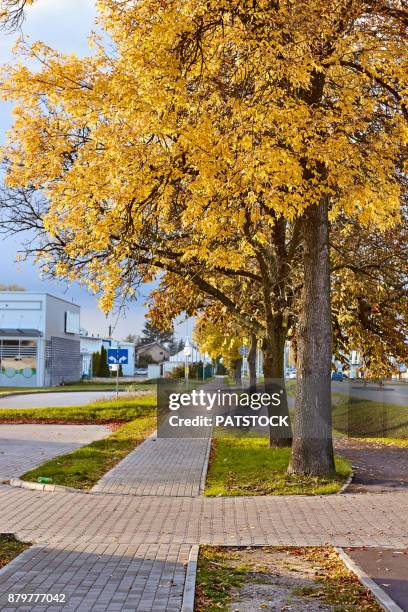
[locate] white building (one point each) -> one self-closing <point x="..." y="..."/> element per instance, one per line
<point x="93" y="344"/>
<point x="39" y="340"/>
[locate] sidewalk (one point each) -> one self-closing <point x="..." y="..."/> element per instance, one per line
<point x="164" y="466"/>
<point x="126" y="547"/>
<point x="160" y="466"/>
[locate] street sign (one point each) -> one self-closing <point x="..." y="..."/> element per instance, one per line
<point x="118" y="356"/>
<point x="187" y="348"/>
<point x="243" y="350"/>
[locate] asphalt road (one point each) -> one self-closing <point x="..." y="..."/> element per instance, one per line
<point x="388" y="568"/>
<point x="46" y="400"/>
<point x="390" y="394"/>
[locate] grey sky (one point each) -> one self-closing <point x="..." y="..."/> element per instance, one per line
<point x="64" y="25"/>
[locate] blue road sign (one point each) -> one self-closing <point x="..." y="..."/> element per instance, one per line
<point x="118" y="356"/>
<point x="244" y="350"/>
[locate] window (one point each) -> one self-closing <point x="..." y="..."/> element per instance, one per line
<point x="18" y="357"/>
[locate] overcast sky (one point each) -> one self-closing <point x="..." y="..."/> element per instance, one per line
<point x="64" y="25"/>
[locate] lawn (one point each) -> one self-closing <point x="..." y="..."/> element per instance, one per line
<point x="121" y="410"/>
<point x="247" y="466"/>
<point x="10" y="548"/>
<point x="361" y="418"/>
<point x="83" y="468"/>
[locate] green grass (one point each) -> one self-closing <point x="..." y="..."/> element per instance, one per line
<point x="123" y="409"/>
<point x="10" y="548"/>
<point x="247" y="466"/>
<point x="216" y="577"/>
<point x="83" y="386"/>
<point x="82" y="468"/>
<point x="362" y="418"/>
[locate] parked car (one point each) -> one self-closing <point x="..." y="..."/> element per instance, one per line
<point x="141" y="371"/>
<point x="290" y="373"/>
<point x="339" y="376"/>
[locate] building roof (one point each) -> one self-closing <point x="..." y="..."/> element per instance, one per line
<point x="20" y="333"/>
<point x="39" y="293"/>
<point x="142" y="348"/>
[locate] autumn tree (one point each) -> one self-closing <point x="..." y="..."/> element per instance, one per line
<point x="370" y="294"/>
<point x="219" y="121"/>
<point x="219" y="344"/>
<point x="12" y="13"/>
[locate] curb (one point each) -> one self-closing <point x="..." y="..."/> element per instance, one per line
<point x="380" y="595"/>
<point x="37" y="486"/>
<point x="189" y="585"/>
<point x="205" y="466"/>
<point x="21" y="556"/>
<point x="347" y="483"/>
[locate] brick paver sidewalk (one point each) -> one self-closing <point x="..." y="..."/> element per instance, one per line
<point x="98" y="576"/>
<point x="343" y="520"/>
<point x="170" y="466"/>
<point x="114" y="538"/>
<point x="160" y="466"/>
<point x="23" y="447"/>
<point x="107" y="551"/>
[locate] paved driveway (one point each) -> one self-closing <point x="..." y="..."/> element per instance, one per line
<point x="23" y="447"/>
<point x="63" y="398"/>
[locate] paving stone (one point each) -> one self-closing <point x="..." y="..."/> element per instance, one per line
<point x="23" y="447"/>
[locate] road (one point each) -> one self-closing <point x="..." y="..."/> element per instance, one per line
<point x="46" y="400"/>
<point x="390" y="394"/>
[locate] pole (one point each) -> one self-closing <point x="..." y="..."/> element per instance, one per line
<point x="186" y="370"/>
<point x="117" y="381"/>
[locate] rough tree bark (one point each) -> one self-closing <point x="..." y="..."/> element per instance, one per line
<point x="273" y="367"/>
<point x="312" y="449"/>
<point x="238" y="371"/>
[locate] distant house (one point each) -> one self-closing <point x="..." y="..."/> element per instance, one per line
<point x="153" y="352"/>
<point x="93" y="344"/>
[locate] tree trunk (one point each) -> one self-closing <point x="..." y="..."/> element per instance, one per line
<point x="312" y="450"/>
<point x="252" y="363"/>
<point x="238" y="371"/>
<point x="273" y="366"/>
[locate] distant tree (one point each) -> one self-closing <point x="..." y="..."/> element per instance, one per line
<point x="103" y="370"/>
<point x="150" y="334"/>
<point x="132" y="338"/>
<point x="96" y="360"/>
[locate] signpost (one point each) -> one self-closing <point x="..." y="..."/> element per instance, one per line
<point x="116" y="358"/>
<point x="244" y="352"/>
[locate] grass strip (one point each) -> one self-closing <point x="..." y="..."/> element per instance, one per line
<point x="247" y="466"/>
<point x="121" y="410"/>
<point x="220" y="575"/>
<point x="337" y="585"/>
<point x="362" y="418"/>
<point x="83" y="467"/>
<point x="10" y="548"/>
<point x="68" y="388"/>
<point x="216" y="577"/>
